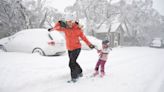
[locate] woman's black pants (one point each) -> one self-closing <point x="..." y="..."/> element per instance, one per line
<point x="74" y="66"/>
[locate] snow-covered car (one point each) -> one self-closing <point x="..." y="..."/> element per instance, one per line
<point x="34" y="41"/>
<point x="157" y="43"/>
<point x="93" y="40"/>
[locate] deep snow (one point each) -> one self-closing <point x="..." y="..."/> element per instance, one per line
<point x="128" y="69"/>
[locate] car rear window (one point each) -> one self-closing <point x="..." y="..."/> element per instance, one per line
<point x="56" y="36"/>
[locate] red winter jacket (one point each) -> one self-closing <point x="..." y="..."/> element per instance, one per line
<point x="72" y="36"/>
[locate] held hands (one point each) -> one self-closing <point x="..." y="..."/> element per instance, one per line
<point x="91" y="46"/>
<point x="99" y="51"/>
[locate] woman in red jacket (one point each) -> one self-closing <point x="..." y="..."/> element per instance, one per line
<point x="72" y="34"/>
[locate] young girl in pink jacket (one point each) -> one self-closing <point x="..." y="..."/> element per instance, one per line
<point x="103" y="58"/>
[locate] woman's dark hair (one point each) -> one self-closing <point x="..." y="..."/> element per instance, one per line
<point x="63" y="23"/>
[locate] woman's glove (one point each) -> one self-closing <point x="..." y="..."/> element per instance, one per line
<point x="91" y="46"/>
<point x="50" y="29"/>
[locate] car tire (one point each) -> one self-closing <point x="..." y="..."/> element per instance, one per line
<point x="39" y="51"/>
<point x="3" y="48"/>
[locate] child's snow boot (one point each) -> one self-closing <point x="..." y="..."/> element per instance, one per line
<point x="102" y="74"/>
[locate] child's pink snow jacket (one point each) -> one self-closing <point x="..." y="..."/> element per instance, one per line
<point x="104" y="54"/>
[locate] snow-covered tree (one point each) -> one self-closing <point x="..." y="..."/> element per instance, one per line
<point x="138" y="16"/>
<point x="52" y="16"/>
<point x="140" y="20"/>
<point x="16" y="15"/>
<point x="94" y="11"/>
<point x="11" y="15"/>
<point x="36" y="13"/>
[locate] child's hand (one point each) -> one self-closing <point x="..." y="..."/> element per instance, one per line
<point x="98" y="51"/>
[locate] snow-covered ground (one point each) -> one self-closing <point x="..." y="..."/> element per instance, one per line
<point x="128" y="69"/>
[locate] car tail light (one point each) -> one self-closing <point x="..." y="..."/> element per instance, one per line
<point x="51" y="43"/>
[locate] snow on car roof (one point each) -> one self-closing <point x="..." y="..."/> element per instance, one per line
<point x="40" y="33"/>
<point x="33" y="30"/>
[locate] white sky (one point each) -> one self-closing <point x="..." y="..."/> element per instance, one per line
<point x="61" y="4"/>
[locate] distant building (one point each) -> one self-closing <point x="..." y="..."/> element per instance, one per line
<point x="114" y="32"/>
